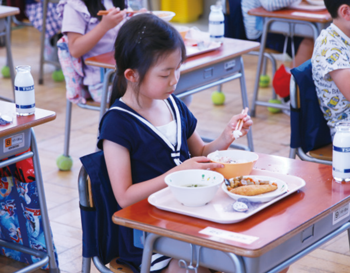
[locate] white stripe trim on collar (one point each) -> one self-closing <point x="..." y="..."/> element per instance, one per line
<point x="151" y="126"/>
<point x="178" y="122"/>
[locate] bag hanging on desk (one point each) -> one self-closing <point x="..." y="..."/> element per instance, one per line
<point x="281" y="80"/>
<point x="20" y="213"/>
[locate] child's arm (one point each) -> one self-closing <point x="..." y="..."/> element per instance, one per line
<point x="117" y="160"/>
<point x="81" y="44"/>
<point x="341" y="78"/>
<point x="198" y="148"/>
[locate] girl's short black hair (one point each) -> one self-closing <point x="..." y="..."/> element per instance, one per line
<point x="141" y="41"/>
<point x="334" y="5"/>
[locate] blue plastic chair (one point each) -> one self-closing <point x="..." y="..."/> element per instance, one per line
<point x="310" y="135"/>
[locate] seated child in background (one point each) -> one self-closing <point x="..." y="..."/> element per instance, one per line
<point x="33" y="10"/>
<point x="302" y="50"/>
<point x="254" y="27"/>
<point x="331" y="65"/>
<point x="148" y="132"/>
<point x="90" y="35"/>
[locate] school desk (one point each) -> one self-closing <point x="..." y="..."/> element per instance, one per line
<point x="290" y="22"/>
<point x="199" y="72"/>
<point x="267" y="241"/>
<point x="5" y="30"/>
<point x="18" y="137"/>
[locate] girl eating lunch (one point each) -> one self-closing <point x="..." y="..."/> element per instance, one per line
<point x="148" y="132"/>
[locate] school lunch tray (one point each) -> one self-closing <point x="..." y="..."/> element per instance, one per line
<point x="219" y="209"/>
<point x="195" y="50"/>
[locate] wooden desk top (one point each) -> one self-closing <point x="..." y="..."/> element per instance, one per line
<point x="8" y="11"/>
<point x="21" y="123"/>
<point x="231" y="48"/>
<point x="273" y="225"/>
<point x="321" y="16"/>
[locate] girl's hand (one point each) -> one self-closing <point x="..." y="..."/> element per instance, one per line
<point x="231" y="126"/>
<point x="198" y="162"/>
<point x="113" y="18"/>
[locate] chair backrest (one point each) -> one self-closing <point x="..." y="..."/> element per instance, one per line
<point x="309" y="129"/>
<point x="72" y="69"/>
<point x="100" y="234"/>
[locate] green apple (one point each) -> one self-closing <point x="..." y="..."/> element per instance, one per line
<point x="218" y="98"/>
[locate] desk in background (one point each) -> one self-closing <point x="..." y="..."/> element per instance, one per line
<point x="287" y="230"/>
<point x="16" y="138"/>
<point x="5" y="30"/>
<point x="290" y="22"/>
<point x="198" y="73"/>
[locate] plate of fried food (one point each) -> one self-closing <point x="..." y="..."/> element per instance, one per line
<point x="255" y="188"/>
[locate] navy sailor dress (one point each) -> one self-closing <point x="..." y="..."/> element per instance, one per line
<point x="151" y="155"/>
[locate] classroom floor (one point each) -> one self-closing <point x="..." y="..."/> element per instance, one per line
<point x="271" y="134"/>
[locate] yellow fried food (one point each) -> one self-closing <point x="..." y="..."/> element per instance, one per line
<point x="252" y="190"/>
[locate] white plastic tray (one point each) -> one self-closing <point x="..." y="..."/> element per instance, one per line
<point x="194" y="50"/>
<point x="220" y="209"/>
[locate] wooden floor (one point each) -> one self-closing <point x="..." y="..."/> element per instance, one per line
<point x="270" y="133"/>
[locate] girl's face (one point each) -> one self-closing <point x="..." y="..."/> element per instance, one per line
<point x="161" y="79"/>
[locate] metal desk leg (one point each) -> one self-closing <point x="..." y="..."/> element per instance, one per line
<point x="292" y="153"/>
<point x="147" y="252"/>
<point x="43" y="208"/>
<point x="273" y="64"/>
<point x="268" y="22"/>
<point x="86" y="265"/>
<point x="42" y="43"/>
<point x="237" y="260"/>
<point x="245" y="104"/>
<point x="67" y="128"/>
<point x="258" y="70"/>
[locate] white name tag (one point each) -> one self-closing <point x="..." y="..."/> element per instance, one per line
<point x="341" y="213"/>
<point x="233" y="236"/>
<point x="12" y="143"/>
<point x="230" y="65"/>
